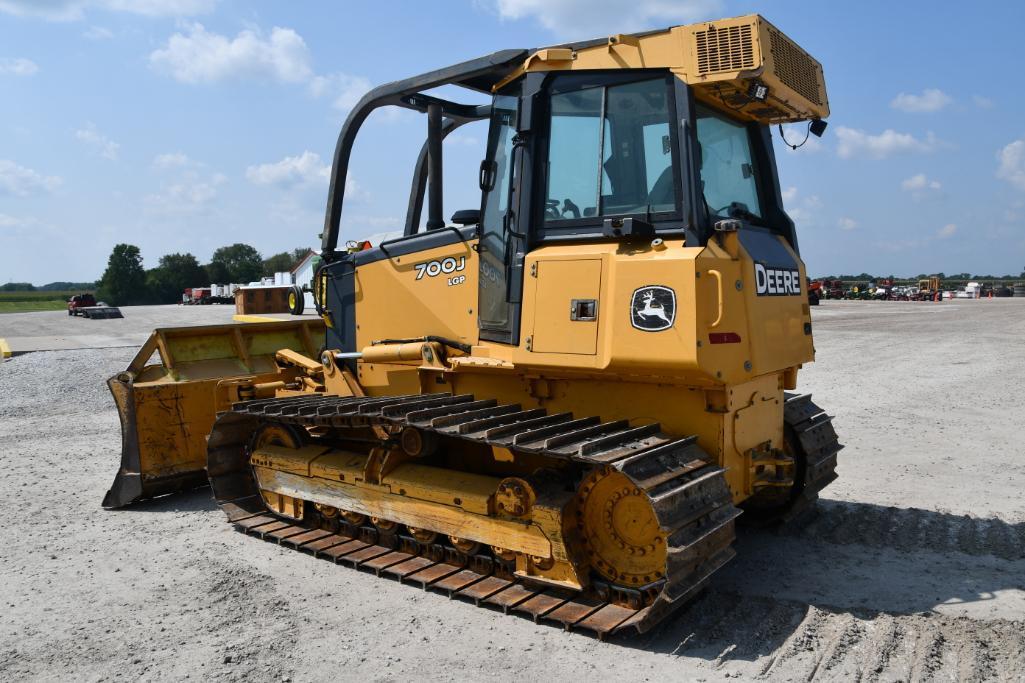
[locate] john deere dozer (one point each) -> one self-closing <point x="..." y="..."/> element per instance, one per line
<point x="557" y="404"/>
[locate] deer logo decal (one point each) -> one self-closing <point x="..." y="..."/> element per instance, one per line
<point x="653" y="308"/>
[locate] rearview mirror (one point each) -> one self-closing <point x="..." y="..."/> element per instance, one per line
<point x="466" y="217"/>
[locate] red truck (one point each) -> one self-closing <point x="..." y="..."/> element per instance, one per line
<point x="80" y="301"/>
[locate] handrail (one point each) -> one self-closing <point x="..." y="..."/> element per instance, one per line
<point x="718" y="281"/>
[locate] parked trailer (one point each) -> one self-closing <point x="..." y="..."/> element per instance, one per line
<point x="195" y="295"/>
<point x="85" y="305"/>
<point x="101" y="311"/>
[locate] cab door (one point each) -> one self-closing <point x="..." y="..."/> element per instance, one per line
<point x="498" y="229"/>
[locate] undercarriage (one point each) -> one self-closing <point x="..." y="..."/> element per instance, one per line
<point x="603" y="527"/>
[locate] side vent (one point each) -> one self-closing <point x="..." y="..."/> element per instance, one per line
<point x="725" y="49"/>
<point x="795" y="68"/>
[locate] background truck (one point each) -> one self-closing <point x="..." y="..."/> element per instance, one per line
<point x="85" y="305"/>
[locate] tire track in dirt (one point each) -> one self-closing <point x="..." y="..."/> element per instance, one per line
<point x="910" y="529"/>
<point x="779" y="640"/>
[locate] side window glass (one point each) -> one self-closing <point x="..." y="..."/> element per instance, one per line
<point x="658" y="166"/>
<point x="610" y="152"/>
<point x="573" y="154"/>
<point x="728" y="176"/>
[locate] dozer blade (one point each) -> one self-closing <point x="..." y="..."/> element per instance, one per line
<point x="167" y="408"/>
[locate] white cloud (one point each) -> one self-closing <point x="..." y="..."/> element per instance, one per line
<point x="55" y="10"/>
<point x="18" y="67"/>
<point x="854" y="143"/>
<point x="930" y="100"/>
<point x="983" y="102"/>
<point x="343" y="89"/>
<point x="7" y="221"/>
<point x="305" y="168"/>
<point x="803" y="210"/>
<point x="596" y="18"/>
<point x="847" y="223"/>
<point x="161" y="8"/>
<point x="1012" y="164"/>
<point x="106" y="147"/>
<point x="918" y="183"/>
<point x="98" y="33"/>
<point x="946" y="231"/>
<point x="354" y="192"/>
<point x="19" y="181"/>
<point x="171" y="160"/>
<point x="74" y="10"/>
<point x="188" y="193"/>
<point x="196" y="55"/>
<point x="205" y="57"/>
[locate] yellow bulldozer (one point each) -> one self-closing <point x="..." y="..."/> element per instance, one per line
<point x="560" y="402"/>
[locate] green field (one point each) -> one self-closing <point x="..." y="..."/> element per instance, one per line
<point x="23" y="302"/>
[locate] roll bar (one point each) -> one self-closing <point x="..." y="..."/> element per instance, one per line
<point x="477" y="74"/>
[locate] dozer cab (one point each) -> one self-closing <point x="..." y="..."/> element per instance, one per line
<point x="558" y="403"/>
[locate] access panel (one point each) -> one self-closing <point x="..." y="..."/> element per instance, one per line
<point x="566" y="307"/>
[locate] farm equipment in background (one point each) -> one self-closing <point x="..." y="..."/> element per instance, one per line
<point x="929" y="289"/>
<point x="971" y="290"/>
<point x="560" y="402"/>
<point x="861" y="291"/>
<point x="903" y="293"/>
<point x="832" y="289"/>
<point x="814" y="292"/>
<point x="214" y="294"/>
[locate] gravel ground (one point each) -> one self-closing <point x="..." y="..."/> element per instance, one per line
<point x="913" y="568"/>
<point x="56" y="330"/>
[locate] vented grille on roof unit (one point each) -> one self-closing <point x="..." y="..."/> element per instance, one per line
<point x="795" y="68"/>
<point x="725" y="49"/>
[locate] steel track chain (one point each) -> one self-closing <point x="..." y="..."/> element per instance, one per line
<point x="690" y="497"/>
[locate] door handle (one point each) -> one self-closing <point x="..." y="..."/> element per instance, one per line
<point x="718" y="286"/>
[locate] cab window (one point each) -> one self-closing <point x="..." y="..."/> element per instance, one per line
<point x="729" y="179"/>
<point x="610" y="153"/>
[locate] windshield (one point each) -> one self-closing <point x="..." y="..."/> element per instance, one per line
<point x="610" y="152"/>
<point x="728" y="174"/>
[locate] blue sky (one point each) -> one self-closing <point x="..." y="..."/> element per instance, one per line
<point x="184" y="125"/>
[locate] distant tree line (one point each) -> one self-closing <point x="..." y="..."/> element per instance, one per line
<point x="126" y="281"/>
<point x="49" y="287"/>
<point x="865" y="277"/>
